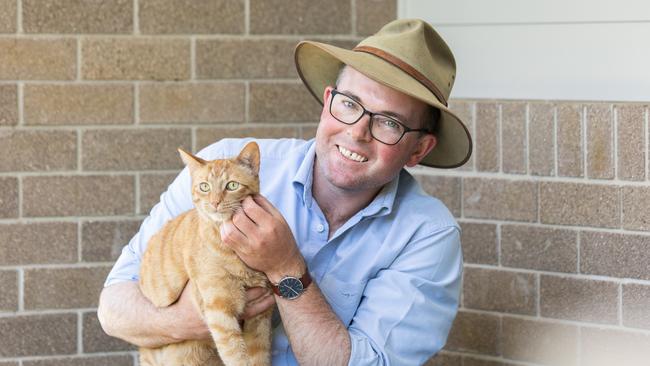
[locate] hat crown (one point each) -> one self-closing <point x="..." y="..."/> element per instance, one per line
<point x="417" y="45"/>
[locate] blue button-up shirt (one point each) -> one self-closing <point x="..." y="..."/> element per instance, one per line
<point x="391" y="273"/>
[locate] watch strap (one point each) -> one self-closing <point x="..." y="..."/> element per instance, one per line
<point x="305" y="280"/>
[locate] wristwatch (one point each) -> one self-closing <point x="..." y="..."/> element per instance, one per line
<point x="292" y="287"/>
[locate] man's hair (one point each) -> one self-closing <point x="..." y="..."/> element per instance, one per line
<point x="430" y="117"/>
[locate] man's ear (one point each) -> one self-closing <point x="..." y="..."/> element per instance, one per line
<point x="424" y="145"/>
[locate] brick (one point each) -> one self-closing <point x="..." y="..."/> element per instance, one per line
<point x="63" y="288"/>
<point x="569" y="140"/>
<point x="151" y="187"/>
<point x="300" y="17"/>
<point x="500" y="199"/>
<point x="444" y="359"/>
<point x="118" y="360"/>
<point x="8" y="16"/>
<point x="102" y="241"/>
<point x="631" y="141"/>
<point x="25" y="150"/>
<point x="600" y="145"/>
<point x="541" y="127"/>
<point x="95" y="340"/>
<point x="465" y="111"/>
<point x="8" y="197"/>
<point x="579" y="204"/>
<point x="635" y="201"/>
<point x="9" y="363"/>
<point x="74" y="16"/>
<point x="38" y="243"/>
<point x="37" y="335"/>
<point x="308" y="132"/>
<point x="373" y="14"/>
<point x="78" y="104"/>
<point x="207" y="136"/>
<point x="474" y="333"/>
<point x="222" y="59"/>
<point x="38" y="59"/>
<point x="487" y="137"/>
<point x="513" y="137"/>
<point x="615" y="255"/>
<point x="92" y="195"/>
<point x="479" y="243"/>
<point x="139" y="149"/>
<point x="136" y="59"/>
<point x="282" y="102"/>
<point x="579" y="299"/>
<point x="606" y="347"/>
<point x="8" y="105"/>
<point x="446" y="189"/>
<point x="494" y="290"/>
<point x="539" y="248"/>
<point x="539" y="342"/>
<point x="636" y="302"/>
<point x="191" y="16"/>
<point x="198" y="103"/>
<point x="9" y="290"/>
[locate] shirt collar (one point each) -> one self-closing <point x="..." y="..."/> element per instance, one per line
<point x="303" y="180"/>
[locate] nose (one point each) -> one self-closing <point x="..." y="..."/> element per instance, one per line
<point x="360" y="131"/>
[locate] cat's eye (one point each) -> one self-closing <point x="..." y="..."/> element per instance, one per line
<point x="204" y="187"/>
<point x="232" y="185"/>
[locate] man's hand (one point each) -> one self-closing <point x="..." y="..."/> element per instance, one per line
<point x="263" y="240"/>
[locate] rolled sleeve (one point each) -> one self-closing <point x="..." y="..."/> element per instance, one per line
<point x="407" y="310"/>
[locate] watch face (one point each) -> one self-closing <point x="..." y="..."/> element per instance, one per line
<point x="290" y="287"/>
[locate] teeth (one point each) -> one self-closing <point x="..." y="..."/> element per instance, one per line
<point x="351" y="155"/>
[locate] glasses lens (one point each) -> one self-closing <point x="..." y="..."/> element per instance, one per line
<point x="345" y="109"/>
<point x="386" y="129"/>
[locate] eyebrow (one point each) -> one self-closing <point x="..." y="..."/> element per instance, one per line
<point x="395" y="115"/>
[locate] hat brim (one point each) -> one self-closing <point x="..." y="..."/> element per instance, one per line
<point x="318" y="65"/>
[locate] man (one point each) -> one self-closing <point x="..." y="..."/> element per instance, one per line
<point x="368" y="267"/>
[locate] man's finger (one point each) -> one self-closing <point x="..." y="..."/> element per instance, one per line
<point x="258" y="306"/>
<point x="230" y="234"/>
<point x="254" y="293"/>
<point x="266" y="205"/>
<point x="253" y="210"/>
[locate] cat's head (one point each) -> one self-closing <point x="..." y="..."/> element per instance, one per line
<point x="219" y="186"/>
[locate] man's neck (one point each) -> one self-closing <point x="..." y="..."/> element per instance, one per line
<point x="339" y="205"/>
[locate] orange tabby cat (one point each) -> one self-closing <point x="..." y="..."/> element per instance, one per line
<point x="189" y="247"/>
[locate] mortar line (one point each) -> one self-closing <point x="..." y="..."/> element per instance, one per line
<point x="79" y="333"/>
<point x="646" y="137"/>
<point x="556" y="153"/>
<point x="585" y="147"/>
<point x="247" y="17"/>
<point x="21" y="289"/>
<point x="500" y="138"/>
<point x="19" y="16"/>
<point x="136" y="17"/>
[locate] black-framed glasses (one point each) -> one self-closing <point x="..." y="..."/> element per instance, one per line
<point x="383" y="128"/>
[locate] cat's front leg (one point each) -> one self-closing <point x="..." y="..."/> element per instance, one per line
<point x="222" y="306"/>
<point x="257" y="335"/>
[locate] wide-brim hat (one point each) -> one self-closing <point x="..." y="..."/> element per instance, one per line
<point x="406" y="55"/>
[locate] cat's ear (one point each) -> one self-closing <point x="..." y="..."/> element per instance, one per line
<point x="190" y="160"/>
<point x="250" y="157"/>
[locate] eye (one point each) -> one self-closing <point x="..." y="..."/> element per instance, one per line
<point x="232" y="185"/>
<point x="204" y="187"/>
<point x="389" y="123"/>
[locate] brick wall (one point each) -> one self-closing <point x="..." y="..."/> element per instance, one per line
<point x="95" y="97"/>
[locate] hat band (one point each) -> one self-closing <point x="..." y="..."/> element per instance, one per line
<point x="404" y="67"/>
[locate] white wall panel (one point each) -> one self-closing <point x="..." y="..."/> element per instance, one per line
<point x="540" y="52"/>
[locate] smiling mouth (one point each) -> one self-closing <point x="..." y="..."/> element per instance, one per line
<point x="351" y="155"/>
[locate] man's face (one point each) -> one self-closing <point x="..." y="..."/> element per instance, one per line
<point x="375" y="163"/>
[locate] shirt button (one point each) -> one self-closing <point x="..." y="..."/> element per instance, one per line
<point x="320" y="228"/>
